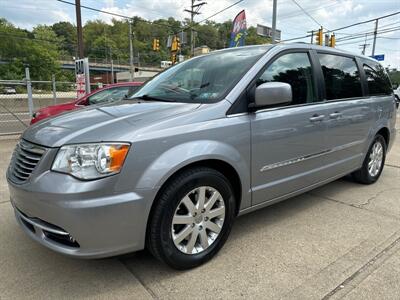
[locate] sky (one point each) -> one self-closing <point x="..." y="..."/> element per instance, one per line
<point x="291" y="20"/>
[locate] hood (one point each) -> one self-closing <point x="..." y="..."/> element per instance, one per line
<point x="102" y="123"/>
<point x="55" y="109"/>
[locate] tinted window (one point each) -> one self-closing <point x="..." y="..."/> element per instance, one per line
<point x="112" y="94"/>
<point x="294" y="69"/>
<point x="342" y="78"/>
<point x="377" y="79"/>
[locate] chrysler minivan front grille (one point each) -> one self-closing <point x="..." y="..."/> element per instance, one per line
<point x="25" y="158"/>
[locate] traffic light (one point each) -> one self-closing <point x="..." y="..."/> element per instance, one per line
<point x="156" y="44"/>
<point x="178" y="44"/>
<point x="319" y="37"/>
<point x="174" y="44"/>
<point x="332" y="41"/>
<point x="173" y="58"/>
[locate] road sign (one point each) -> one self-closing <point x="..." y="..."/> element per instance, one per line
<point x="379" y="57"/>
<point x="267" y="31"/>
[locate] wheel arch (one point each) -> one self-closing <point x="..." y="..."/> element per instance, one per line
<point x="385" y="132"/>
<point x="217" y="164"/>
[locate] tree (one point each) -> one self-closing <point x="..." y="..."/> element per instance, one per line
<point x="67" y="32"/>
<point x="37" y="49"/>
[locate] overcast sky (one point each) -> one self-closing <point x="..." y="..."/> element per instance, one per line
<point x="291" y="20"/>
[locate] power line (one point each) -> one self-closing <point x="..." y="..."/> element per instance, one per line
<point x="304" y="11"/>
<point x="222" y="10"/>
<point x="296" y="13"/>
<point x="347" y="26"/>
<point x="116" y="15"/>
<point x="150" y="22"/>
<point x="386" y="30"/>
<point x="364" y="22"/>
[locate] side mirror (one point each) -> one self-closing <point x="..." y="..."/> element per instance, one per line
<point x="273" y="93"/>
<point x="82" y="102"/>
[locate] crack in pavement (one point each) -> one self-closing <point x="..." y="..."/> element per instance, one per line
<point x="373" y="264"/>
<point x="376" y="196"/>
<point x="393" y="166"/>
<point x="355" y="206"/>
<point x="146" y="287"/>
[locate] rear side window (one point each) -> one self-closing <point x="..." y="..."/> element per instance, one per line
<point x="294" y="69"/>
<point x="377" y="79"/>
<point x="342" y="78"/>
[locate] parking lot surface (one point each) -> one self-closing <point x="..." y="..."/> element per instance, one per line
<point x="339" y="241"/>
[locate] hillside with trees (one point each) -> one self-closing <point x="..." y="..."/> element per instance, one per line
<point x="44" y="46"/>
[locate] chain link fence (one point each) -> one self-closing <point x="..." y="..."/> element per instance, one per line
<point x="19" y="99"/>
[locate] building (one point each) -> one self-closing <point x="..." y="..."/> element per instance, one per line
<point x="201" y="50"/>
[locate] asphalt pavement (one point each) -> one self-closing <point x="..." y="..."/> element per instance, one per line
<point x="339" y="241"/>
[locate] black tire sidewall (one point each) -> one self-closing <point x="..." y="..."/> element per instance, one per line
<point x="170" y="254"/>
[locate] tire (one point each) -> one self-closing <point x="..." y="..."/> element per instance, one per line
<point x="163" y="235"/>
<point x="364" y="175"/>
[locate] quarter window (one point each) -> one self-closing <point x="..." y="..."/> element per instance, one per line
<point x="342" y="78"/>
<point x="294" y="69"/>
<point x="377" y="79"/>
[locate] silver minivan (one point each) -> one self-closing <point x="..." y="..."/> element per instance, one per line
<point x="206" y="140"/>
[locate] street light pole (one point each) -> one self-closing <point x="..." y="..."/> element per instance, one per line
<point x="79" y="28"/>
<point x="274" y="21"/>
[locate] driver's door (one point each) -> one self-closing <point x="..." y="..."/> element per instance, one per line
<point x="288" y="142"/>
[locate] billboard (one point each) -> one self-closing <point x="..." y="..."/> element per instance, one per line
<point x="238" y="32"/>
<point x="267" y="32"/>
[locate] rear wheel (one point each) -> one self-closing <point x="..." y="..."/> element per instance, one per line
<point x="373" y="163"/>
<point x="192" y="218"/>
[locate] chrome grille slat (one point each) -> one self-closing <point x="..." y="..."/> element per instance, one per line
<point x="21" y="171"/>
<point x="25" y="158"/>
<point x="25" y="167"/>
<point x="29" y="155"/>
<point x="25" y="164"/>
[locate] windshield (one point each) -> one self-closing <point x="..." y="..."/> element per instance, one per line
<point x="204" y="79"/>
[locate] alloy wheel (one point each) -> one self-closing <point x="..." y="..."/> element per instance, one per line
<point x="375" y="159"/>
<point x="198" y="220"/>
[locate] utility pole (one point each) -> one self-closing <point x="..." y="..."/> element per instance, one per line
<point x="274" y="21"/>
<point x="79" y="28"/>
<point x="375" y="33"/>
<point x="364" y="46"/>
<point x="312" y="37"/>
<point x="194" y="10"/>
<point x="132" y="70"/>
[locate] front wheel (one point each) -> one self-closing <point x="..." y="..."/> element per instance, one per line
<point x="373" y="163"/>
<point x="192" y="218"/>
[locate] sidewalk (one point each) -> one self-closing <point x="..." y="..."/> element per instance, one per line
<point x="341" y="240"/>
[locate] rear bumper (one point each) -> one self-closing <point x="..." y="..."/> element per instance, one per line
<point x="83" y="226"/>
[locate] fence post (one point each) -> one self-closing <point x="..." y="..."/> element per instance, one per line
<point x="29" y="91"/>
<point x="53" y="81"/>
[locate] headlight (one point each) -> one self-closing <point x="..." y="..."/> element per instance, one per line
<point x="91" y="161"/>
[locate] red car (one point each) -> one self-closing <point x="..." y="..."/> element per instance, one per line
<point x="111" y="92"/>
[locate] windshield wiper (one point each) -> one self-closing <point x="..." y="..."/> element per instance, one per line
<point x="153" y="98"/>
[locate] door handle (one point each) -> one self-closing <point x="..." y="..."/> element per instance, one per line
<point x="335" y="115"/>
<point x="317" y="118"/>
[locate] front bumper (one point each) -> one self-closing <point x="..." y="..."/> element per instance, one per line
<point x="79" y="221"/>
